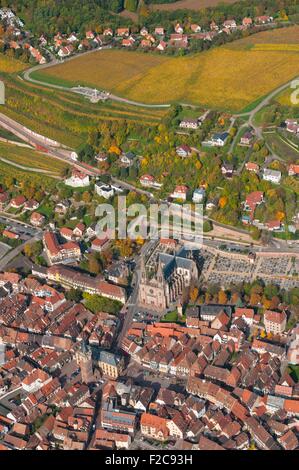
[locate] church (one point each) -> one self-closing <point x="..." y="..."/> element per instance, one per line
<point x="162" y="287"/>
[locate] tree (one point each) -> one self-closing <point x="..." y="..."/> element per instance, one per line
<point x="207" y="226"/>
<point x="194" y="295"/>
<point x="255" y="299"/>
<point x="222" y="297"/>
<point x="131" y="5"/>
<point x="74" y="295"/>
<point x="94" y="265"/>
<point x="33" y="249"/>
<point x="96" y="303"/>
<point x="223" y="201"/>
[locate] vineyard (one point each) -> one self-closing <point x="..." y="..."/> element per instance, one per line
<point x="220" y="78"/>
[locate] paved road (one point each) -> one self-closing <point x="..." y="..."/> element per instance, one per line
<point x="16" y="251"/>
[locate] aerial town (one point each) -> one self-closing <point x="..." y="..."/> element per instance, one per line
<point x="159" y="344"/>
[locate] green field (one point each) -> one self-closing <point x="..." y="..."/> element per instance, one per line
<point x="281" y="147"/>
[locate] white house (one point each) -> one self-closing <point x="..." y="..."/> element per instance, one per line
<point x="179" y="28"/>
<point x="149" y="181"/>
<point x="180" y="192"/>
<point x="65" y="51"/>
<point x="104" y="190"/>
<point x="184" y="151"/>
<point x="78" y="180"/>
<point x="274" y="176"/>
<point x="189" y="124"/>
<point x="127" y="158"/>
<point x="219" y="139"/>
<point x="198" y="195"/>
<point x="230" y="24"/>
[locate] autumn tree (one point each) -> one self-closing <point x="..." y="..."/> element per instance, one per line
<point x="194" y="295"/>
<point x="222" y="297"/>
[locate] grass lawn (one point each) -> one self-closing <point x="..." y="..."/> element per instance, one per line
<point x="173" y="317"/>
<point x="222" y="77"/>
<point x="294" y="370"/>
<point x="282" y="148"/>
<point x="45" y="210"/>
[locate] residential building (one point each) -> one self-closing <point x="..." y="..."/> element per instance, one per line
<point x="275" y="322"/>
<point x="198" y="195"/>
<point x="159" y="31"/>
<point x="219" y="139"/>
<point x="154" y="427"/>
<point x="189" y="124"/>
<point x="251" y="166"/>
<point x="78" y="180"/>
<point x="180" y="192"/>
<point x="123" y="32"/>
<point x="17" y="202"/>
<point x="195" y="28"/>
<point x="227" y="169"/>
<point x="274" y="176"/>
<point x="100" y="244"/>
<point x="293" y="170"/>
<point x="184" y="151"/>
<point x="37" y="219"/>
<point x="60" y="252"/>
<point x="104" y="190"/>
<point x="3" y="200"/>
<point x="127" y="158"/>
<point x="70" y="278"/>
<point x="247" y="138"/>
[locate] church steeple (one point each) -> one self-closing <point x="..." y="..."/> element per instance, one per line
<point x="160" y="273"/>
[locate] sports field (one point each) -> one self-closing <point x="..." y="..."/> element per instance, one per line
<point x="225" y="77"/>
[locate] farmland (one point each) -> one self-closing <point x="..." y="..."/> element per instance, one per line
<point x="285" y="98"/>
<point x="27" y="177"/>
<point x="62" y="116"/>
<point x="26" y="157"/>
<point x="188" y="4"/>
<point x="105" y="67"/>
<point x="232" y="84"/>
<point x="285" y="36"/>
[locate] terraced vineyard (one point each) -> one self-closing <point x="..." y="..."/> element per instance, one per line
<point x="26" y="157"/>
<point x="64" y="116"/>
<point x="10" y="65"/>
